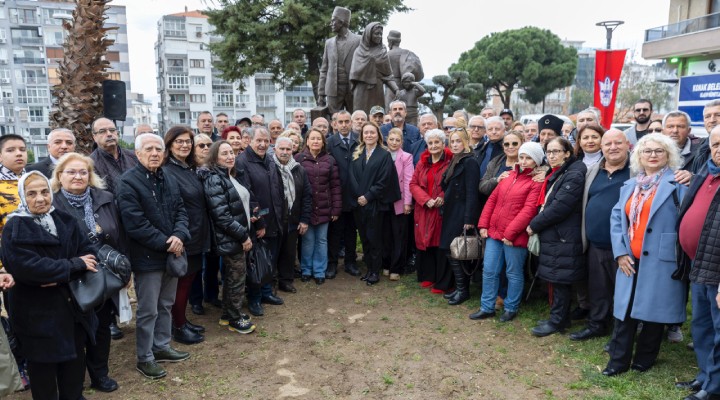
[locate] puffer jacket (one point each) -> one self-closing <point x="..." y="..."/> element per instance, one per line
<point x="511" y="207"/>
<point x="325" y="182"/>
<point x="559" y="226"/>
<point x="227" y="212"/>
<point x="428" y="221"/>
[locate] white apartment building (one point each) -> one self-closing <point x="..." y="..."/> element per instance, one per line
<point x="188" y="84"/>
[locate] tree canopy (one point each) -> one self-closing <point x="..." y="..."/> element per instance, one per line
<point x="530" y="57"/>
<point x="284" y="38"/>
<point x="453" y="92"/>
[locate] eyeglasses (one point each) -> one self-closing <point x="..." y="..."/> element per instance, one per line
<point x="513" y="144"/>
<point x="650" y="152"/>
<point x="73" y="173"/>
<point x="203" y="145"/>
<point x="480" y="127"/>
<point x="656" y="130"/>
<point x="449" y="128"/>
<point x="637" y="110"/>
<point x="181" y="142"/>
<point x="104" y="131"/>
<point x="554" y="152"/>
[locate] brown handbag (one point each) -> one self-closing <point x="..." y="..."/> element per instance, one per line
<point x="467" y="248"/>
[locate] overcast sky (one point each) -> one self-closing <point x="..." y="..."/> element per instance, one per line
<point x="437" y="31"/>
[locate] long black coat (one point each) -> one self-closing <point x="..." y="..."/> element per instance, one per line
<point x="261" y="177"/>
<point x="106" y="216"/>
<point x="559" y="226"/>
<point x="301" y="210"/>
<point x="462" y="203"/>
<point x="44" y="318"/>
<point x="152" y="210"/>
<point x="343" y="158"/>
<point x="376" y="179"/>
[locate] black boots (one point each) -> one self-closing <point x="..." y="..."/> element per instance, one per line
<point x="462" y="291"/>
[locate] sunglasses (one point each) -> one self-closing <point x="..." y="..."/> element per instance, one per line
<point x="449" y="128"/>
<point x="203" y="145"/>
<point x="513" y="144"/>
<point x="656" y="130"/>
<point x="641" y="110"/>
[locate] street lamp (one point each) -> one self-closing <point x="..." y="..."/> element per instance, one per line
<point x="609" y="26"/>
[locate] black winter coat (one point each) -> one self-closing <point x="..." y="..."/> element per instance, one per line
<point x="44" y="318"/>
<point x="343" y="158"/>
<point x="151" y="210"/>
<point x="261" y="177"/>
<point x="376" y="179"/>
<point x="193" y="196"/>
<point x="110" y="169"/>
<point x="227" y="212"/>
<point x="559" y="226"/>
<point x="323" y="175"/>
<point x="302" y="206"/>
<point x="462" y="203"/>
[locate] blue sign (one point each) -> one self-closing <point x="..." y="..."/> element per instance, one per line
<point x="699" y="88"/>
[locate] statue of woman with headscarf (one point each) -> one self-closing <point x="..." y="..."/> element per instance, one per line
<point x="370" y="69"/>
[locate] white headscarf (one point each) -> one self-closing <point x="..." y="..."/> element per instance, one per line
<point x="44" y="220"/>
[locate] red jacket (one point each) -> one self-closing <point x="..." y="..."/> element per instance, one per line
<point x="428" y="221"/>
<point x="511" y="207"/>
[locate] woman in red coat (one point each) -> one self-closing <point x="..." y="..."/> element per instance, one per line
<point x="503" y="222"/>
<point x="429" y="197"/>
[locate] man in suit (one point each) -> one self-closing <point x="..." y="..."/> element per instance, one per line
<point x="59" y="142"/>
<point x="334" y="85"/>
<point x="341" y="146"/>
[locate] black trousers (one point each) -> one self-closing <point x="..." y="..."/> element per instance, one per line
<point x="602" y="268"/>
<point x="98" y="354"/>
<point x="432" y="266"/>
<point x="370" y="224"/>
<point x="395" y="242"/>
<point x="286" y="257"/>
<point x="562" y="298"/>
<point x="343" y="228"/>
<point x="64" y="381"/>
<point x="648" y="341"/>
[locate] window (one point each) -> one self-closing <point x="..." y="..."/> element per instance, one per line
<point x="242" y="98"/>
<point x="194" y="63"/>
<point x="223" y="99"/>
<point x="182" y="117"/>
<point x="194" y="115"/>
<point x="23" y="16"/>
<point x="3" y="36"/>
<point x="113" y="76"/>
<point x="37" y="114"/>
<point x="55" y="53"/>
<point x="28" y="57"/>
<point x="177" y="81"/>
<point x="178" y="100"/>
<point x="299" y="101"/>
<point x="175" y="65"/>
<point x="266" y="100"/>
<point x="31" y="76"/>
<point x="48" y="16"/>
<point x="4" y="74"/>
<point x="33" y="96"/>
<point x="197" y="98"/>
<point x="112" y="56"/>
<point x="54" y="38"/>
<point x="174" y="27"/>
<point x="264" y="85"/>
<point x="26" y="37"/>
<point x="197" y="80"/>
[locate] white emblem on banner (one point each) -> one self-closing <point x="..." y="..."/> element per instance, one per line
<point x="606" y="88"/>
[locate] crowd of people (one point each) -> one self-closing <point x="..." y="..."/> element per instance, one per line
<point x="617" y="222"/>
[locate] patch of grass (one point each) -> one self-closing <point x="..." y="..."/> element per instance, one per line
<point x="385" y="318"/>
<point x="387" y="379"/>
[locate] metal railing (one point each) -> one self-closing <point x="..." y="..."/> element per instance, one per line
<point x="710" y="21"/>
<point x="28" y="41"/>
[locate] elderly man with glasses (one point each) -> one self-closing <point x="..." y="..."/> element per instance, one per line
<point x="110" y="160"/>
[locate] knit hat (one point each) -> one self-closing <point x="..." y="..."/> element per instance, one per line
<point x="534" y="150"/>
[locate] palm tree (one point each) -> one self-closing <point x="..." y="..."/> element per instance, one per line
<point x="79" y="96"/>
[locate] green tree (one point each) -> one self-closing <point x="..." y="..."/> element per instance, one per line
<point x="530" y="58"/>
<point x="285" y="38"/>
<point x="636" y="82"/>
<point x="453" y="92"/>
<point x="580" y="99"/>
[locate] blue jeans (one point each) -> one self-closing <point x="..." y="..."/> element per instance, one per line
<point x="497" y="254"/>
<point x="314" y="255"/>
<point x="706" y="335"/>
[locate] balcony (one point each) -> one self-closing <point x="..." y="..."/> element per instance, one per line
<point x="691" y="37"/>
<point x="28" y="60"/>
<point x="179" y="70"/>
<point x="178" y="104"/>
<point x="28" y="41"/>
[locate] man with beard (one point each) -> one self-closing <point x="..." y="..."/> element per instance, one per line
<point x="376" y="114"/>
<point x="411" y="133"/>
<point x="642" y="112"/>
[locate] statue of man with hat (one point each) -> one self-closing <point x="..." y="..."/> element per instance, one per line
<point x="402" y="61"/>
<point x="334" y="85"/>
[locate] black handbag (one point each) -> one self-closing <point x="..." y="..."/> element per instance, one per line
<point x="116" y="261"/>
<point x="91" y="289"/>
<point x="259" y="265"/>
<point x="177" y="266"/>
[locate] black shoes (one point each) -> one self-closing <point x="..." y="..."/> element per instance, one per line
<point x="287" y="287"/>
<point x="272" y="299"/>
<point x="480" y="314"/>
<point x="195" y="328"/>
<point x="115" y="332"/>
<point x="319" y="281"/>
<point x="612" y="371"/>
<point x="461" y="283"/>
<point x="693" y="385"/>
<point x="449" y="295"/>
<point x="546" y="328"/>
<point x="585" y="334"/>
<point x="508" y="316"/>
<point x="352" y="269"/>
<point x="372" y="279"/>
<point x="640" y="367"/>
<point x="256" y="309"/>
<point x="197" y="309"/>
<point x="579" y="313"/>
<point x="305" y="278"/>
<point x="331" y="271"/>
<point x="185" y="335"/>
<point x="104" y="384"/>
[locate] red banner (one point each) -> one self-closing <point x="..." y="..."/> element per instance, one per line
<point x="608" y="67"/>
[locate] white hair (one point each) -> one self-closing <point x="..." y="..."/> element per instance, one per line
<point x="675" y="114"/>
<point x="397" y="102"/>
<point x="54" y="132"/>
<point x="495" y="120"/>
<point x="144" y="136"/>
<point x="435" y="133"/>
<point x="674" y="160"/>
<point x="284" y="139"/>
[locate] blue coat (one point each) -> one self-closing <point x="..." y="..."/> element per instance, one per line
<point x="658" y="298"/>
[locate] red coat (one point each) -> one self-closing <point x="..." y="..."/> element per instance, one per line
<point x="511" y="207"/>
<point x="428" y="221"/>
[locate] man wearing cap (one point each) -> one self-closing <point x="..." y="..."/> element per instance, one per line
<point x="550" y="127"/>
<point x="376" y="115"/>
<point x="299" y="117"/>
<point x="411" y="133"/>
<point x="244" y="122"/>
<point x="507" y="117"/>
<point x="334" y="84"/>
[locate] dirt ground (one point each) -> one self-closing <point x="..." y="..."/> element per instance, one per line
<point x="346" y="340"/>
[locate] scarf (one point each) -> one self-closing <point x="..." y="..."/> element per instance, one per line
<point x="712" y="168"/>
<point x="370" y="60"/>
<point x="287" y="178"/>
<point x="543" y="188"/>
<point x="7" y="175"/>
<point x="83" y="201"/>
<point x="453" y="163"/>
<point x="645" y="187"/>
<point x="44" y="220"/>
